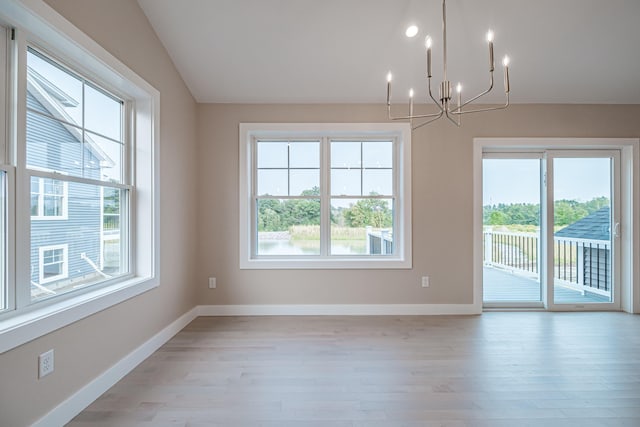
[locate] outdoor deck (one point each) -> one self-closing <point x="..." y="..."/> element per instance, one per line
<point x="501" y="285"/>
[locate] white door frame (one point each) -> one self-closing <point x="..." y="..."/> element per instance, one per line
<point x="629" y="257"/>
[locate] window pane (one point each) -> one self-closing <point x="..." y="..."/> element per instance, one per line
<point x="362" y="227"/>
<point x="85" y="249"/>
<point x="52" y="90"/>
<point x="377" y="154"/>
<point x="346" y="182"/>
<point x="112" y="252"/>
<point x="103" y="114"/>
<point x="305" y="182"/>
<point x="3" y="240"/>
<point x="345" y="154"/>
<point x="35" y="196"/>
<point x="53" y="146"/>
<point x="304" y="155"/>
<point x="273" y="182"/>
<point x="102" y="159"/>
<point x="288" y="227"/>
<point x="52" y="206"/>
<point x="273" y="155"/>
<point x="377" y="182"/>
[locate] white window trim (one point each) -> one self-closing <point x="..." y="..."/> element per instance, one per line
<point x="53" y="32"/>
<point x="65" y="263"/>
<point x="402" y="232"/>
<point x="65" y="203"/>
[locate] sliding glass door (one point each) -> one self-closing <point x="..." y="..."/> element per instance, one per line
<point x="550" y="224"/>
<point x="511" y="230"/>
<point x="583" y="210"/>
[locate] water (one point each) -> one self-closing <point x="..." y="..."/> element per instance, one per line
<point x="310" y="247"/>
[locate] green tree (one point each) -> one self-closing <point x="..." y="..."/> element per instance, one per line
<point x="372" y="212"/>
<point x="279" y="215"/>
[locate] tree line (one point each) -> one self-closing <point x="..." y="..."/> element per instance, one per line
<point x="565" y="212"/>
<point x="280" y="215"/>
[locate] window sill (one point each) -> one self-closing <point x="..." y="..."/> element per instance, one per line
<point x="355" y="263"/>
<point x="22" y="328"/>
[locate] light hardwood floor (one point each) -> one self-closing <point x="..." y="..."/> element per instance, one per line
<point x="498" y="369"/>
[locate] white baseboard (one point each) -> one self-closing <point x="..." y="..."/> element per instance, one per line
<point x="338" y="310"/>
<point x="64" y="412"/>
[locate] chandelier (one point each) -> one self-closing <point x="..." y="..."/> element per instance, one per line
<point x="444" y="104"/>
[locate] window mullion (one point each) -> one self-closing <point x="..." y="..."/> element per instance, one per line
<point x="22" y="220"/>
<point x="325" y="200"/>
<point x="253" y="226"/>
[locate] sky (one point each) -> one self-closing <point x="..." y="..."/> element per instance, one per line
<point x="518" y="180"/>
<point x="357" y="168"/>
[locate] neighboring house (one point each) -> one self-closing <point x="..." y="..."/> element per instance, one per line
<point x="67" y="218"/>
<point x="593" y="235"/>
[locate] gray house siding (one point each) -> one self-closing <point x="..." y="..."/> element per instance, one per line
<point x="52" y="146"/>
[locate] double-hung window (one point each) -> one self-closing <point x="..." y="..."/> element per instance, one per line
<point x="78" y="176"/>
<point x="75" y="147"/>
<point x="325" y="196"/>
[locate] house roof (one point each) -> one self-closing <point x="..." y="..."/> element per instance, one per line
<point x="593" y="227"/>
<point x="53" y="100"/>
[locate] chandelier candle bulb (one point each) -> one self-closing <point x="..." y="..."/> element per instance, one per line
<point x="427" y="43"/>
<point x="505" y="63"/>
<point x="410" y="102"/>
<point x="389" y="88"/>
<point x="491" y="59"/>
<point x="459" y="99"/>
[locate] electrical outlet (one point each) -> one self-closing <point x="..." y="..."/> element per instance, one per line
<point x="45" y="363"/>
<point x="212" y="282"/>
<point x="425" y="281"/>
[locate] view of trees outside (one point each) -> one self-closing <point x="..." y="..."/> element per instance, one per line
<point x="289" y="195"/>
<point x="511" y="192"/>
<point x="526" y="216"/>
<point x="293" y="225"/>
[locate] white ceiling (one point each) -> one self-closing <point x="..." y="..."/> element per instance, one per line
<point x="326" y="51"/>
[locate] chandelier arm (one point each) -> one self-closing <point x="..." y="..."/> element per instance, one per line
<point x="435" y="101"/>
<point x="421" y="116"/>
<point x="428" y="121"/>
<point x="458" y="109"/>
<point x="480" y="110"/>
<point x="457" y="123"/>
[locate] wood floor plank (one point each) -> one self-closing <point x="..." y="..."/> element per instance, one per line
<point x="498" y="369"/>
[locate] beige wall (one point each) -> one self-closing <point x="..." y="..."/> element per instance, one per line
<point x="199" y="214"/>
<point x="87" y="348"/>
<point x="442" y="202"/>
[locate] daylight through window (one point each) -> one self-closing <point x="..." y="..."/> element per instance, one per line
<point x="75" y="147"/>
<point x="327" y="198"/>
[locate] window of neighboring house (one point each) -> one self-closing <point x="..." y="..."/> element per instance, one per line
<point x="48" y="198"/>
<point x="325" y="196"/>
<point x="53" y="263"/>
<point x="78" y="176"/>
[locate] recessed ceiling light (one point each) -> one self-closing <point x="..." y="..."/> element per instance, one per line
<point x="412" y="30"/>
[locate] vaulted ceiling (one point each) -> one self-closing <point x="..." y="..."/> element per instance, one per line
<point x="339" y="51"/>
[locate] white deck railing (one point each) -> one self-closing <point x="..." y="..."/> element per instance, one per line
<point x="579" y="264"/>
